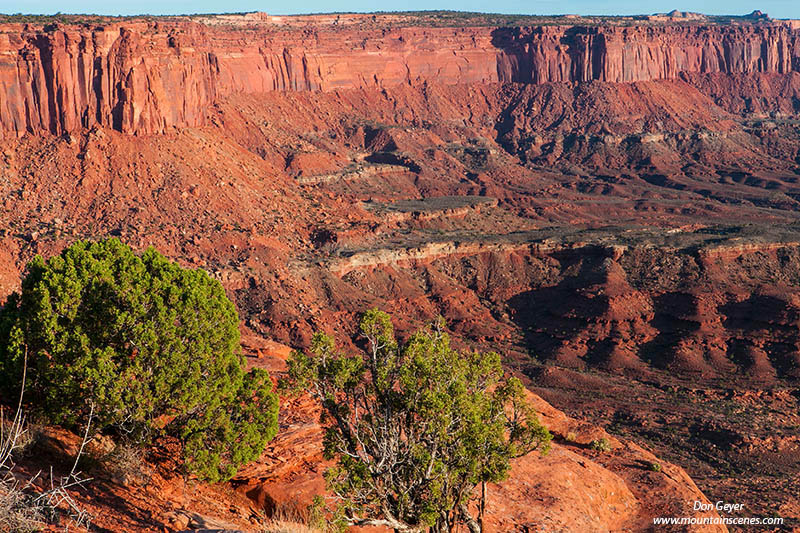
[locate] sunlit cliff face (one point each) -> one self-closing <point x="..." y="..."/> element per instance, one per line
<point x="146" y="77"/>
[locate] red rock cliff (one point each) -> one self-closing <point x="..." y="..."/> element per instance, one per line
<point x="628" y="54"/>
<point x="145" y="77"/>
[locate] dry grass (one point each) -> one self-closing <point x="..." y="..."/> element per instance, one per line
<point x="126" y="464"/>
<point x="283" y="526"/>
<point x="24" y="507"/>
<point x="17" y="511"/>
<point x="26" y="437"/>
<point x="289" y="519"/>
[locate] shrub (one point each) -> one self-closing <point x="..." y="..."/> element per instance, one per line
<point x="17" y="511"/>
<point x="126" y="465"/>
<point x="23" y="508"/>
<point x="414" y="428"/>
<point x="145" y="343"/>
<point x="655" y="467"/>
<point x="600" y="445"/>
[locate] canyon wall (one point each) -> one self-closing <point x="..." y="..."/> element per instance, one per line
<point x="145" y="77"/>
<point x="629" y="54"/>
<point x="722" y="310"/>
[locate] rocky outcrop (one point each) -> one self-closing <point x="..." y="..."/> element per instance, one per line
<point x="627" y="54"/>
<point x="133" y="78"/>
<point x="713" y="311"/>
<point x="146" y="77"/>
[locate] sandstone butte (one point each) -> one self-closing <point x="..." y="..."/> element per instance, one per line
<point x="145" y="77"/>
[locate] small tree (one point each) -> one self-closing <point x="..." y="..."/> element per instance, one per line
<point x="414" y="428"/>
<point x="146" y="344"/>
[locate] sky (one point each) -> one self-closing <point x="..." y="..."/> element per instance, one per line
<point x="775" y="8"/>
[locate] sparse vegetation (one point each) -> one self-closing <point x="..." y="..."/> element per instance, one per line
<point x="432" y="18"/>
<point x="655" y="467"/>
<point x="145" y="344"/>
<point x="414" y="428"/>
<point x="283" y="526"/>
<point x="24" y="507"/>
<point x="17" y="512"/>
<point x="126" y="465"/>
<point x="601" y="445"/>
<point x="290" y="519"/>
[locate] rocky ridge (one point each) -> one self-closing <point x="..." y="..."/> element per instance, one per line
<point x="146" y="77"/>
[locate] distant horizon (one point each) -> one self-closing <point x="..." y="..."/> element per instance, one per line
<point x="778" y="9"/>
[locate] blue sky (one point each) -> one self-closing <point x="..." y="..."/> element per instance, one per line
<point x="776" y="8"/>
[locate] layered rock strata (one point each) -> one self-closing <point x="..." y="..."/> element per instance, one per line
<point x="145" y="77"/>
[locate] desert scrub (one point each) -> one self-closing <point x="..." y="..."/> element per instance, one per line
<point x="448" y="420"/>
<point x="147" y="345"/>
<point x="126" y="465"/>
<point x="654" y="467"/>
<point x="600" y="445"/>
<point x="17" y="511"/>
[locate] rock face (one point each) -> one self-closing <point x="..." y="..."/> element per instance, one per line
<point x="146" y="77"/>
<point x="615" y="54"/>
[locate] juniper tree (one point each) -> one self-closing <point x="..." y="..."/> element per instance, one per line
<point x="414" y="428"/>
<point x="149" y="345"/>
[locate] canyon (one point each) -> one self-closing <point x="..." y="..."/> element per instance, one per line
<point x="145" y="77"/>
<point x="612" y="204"/>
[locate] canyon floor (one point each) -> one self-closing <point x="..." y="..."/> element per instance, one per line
<point x="632" y="249"/>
